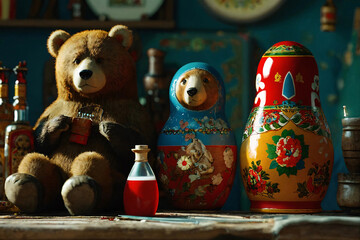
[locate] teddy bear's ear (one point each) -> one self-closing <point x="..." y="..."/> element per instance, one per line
<point x="122" y="34"/>
<point x="56" y="40"/>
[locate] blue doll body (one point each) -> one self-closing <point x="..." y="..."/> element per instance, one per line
<point x="197" y="148"/>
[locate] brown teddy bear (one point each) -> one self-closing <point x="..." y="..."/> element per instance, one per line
<point x="84" y="138"/>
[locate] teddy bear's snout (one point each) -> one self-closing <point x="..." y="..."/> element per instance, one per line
<point x="86" y="74"/>
<point x="192" y="91"/>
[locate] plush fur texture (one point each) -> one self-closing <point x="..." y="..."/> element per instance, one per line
<point x="93" y="68"/>
<point x="197" y="90"/>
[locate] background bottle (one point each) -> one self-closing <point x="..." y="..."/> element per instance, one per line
<point x="141" y="194"/>
<point x="19" y="138"/>
<point x="6" y="117"/>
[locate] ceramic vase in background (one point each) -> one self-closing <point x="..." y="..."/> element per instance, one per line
<point x="197" y="148"/>
<point x="286" y="156"/>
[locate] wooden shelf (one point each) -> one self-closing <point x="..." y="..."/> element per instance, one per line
<point x="163" y="19"/>
<point x="182" y="225"/>
<point x="88" y="24"/>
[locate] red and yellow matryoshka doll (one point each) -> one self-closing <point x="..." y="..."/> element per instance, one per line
<point x="286" y="156"/>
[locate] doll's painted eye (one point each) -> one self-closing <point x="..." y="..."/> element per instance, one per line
<point x="183" y="82"/>
<point x="205" y="80"/>
<point x="77" y="61"/>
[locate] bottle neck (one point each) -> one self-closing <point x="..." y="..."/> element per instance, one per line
<point x="21" y="115"/>
<point x="20" y="105"/>
<point x="20" y="90"/>
<point x="141" y="155"/>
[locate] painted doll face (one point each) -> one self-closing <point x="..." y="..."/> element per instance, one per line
<point x="197" y="89"/>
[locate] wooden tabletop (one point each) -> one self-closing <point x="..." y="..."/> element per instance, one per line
<point x="183" y="225"/>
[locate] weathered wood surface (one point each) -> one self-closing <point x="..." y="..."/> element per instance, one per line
<point x="183" y="226"/>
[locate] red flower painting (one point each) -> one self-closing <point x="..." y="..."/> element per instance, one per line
<point x="319" y="178"/>
<point x="257" y="181"/>
<point x="289" y="151"/>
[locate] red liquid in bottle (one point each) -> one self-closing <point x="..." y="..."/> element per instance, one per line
<point x="141" y="196"/>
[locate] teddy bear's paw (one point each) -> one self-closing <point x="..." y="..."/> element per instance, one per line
<point x="24" y="191"/>
<point x="58" y="124"/>
<point x="80" y="195"/>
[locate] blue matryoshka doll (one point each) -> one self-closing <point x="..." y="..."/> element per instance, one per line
<point x="197" y="148"/>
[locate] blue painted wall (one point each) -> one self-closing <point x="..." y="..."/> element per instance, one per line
<point x="293" y="21"/>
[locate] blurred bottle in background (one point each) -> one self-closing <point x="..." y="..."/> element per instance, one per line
<point x="6" y="117"/>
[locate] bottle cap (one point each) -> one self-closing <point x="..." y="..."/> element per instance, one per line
<point x="141" y="152"/>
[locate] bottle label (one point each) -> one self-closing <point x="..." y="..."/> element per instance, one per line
<point x="2" y="162"/>
<point x="4" y="90"/>
<point x="20" y="142"/>
<point x="20" y="90"/>
<point x="4" y="122"/>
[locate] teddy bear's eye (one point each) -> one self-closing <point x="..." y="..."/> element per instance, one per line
<point x="77" y="61"/>
<point x="205" y="80"/>
<point x="183" y="82"/>
<point x="99" y="60"/>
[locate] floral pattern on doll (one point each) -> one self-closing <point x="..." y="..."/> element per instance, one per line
<point x="228" y="157"/>
<point x="313" y="121"/>
<point x="180" y="170"/>
<point x="288" y="153"/>
<point x="256" y="180"/>
<point x="271" y="118"/>
<point x="211" y="125"/>
<point x="216" y="179"/>
<point x="184" y="163"/>
<point x="183" y="124"/>
<point x="206" y="125"/>
<point x="263" y="121"/>
<point x="318" y="180"/>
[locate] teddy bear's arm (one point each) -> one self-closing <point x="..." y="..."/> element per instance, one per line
<point x="48" y="132"/>
<point x="120" y="137"/>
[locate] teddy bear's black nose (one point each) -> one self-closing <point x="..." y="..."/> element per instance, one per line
<point x="86" y="74"/>
<point x="192" y="91"/>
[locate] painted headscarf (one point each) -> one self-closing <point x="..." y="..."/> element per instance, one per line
<point x="183" y="121"/>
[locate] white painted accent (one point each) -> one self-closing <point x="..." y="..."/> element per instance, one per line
<point x="314" y="96"/>
<point x="262" y="97"/>
<point x="259" y="83"/>
<point x="142" y="178"/>
<point x="267" y="66"/>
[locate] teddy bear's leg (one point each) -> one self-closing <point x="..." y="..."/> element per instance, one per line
<point x="36" y="186"/>
<point x="24" y="191"/>
<point x="90" y="187"/>
<point x="80" y="194"/>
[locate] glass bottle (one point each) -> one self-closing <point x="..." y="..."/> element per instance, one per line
<point x="19" y="139"/>
<point x="141" y="194"/>
<point x="6" y="117"/>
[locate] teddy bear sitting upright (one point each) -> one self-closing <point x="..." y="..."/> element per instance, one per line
<point x="84" y="168"/>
